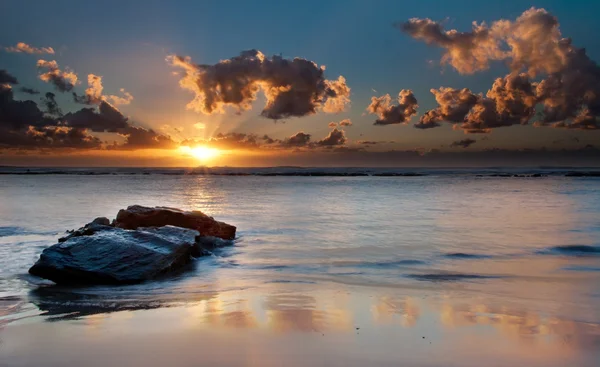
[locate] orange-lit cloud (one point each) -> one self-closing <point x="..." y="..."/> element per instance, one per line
<point x="388" y="113"/>
<point x="94" y="95"/>
<point x="63" y="81"/>
<point x="532" y="45"/>
<point x="22" y="47"/>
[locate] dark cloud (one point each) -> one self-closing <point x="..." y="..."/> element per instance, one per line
<point x="140" y="138"/>
<point x="18" y="115"/>
<point x="293" y="87"/>
<point x="332" y="124"/>
<point x="52" y="107"/>
<point x="106" y="119"/>
<point x="388" y="113"/>
<point x="465" y="143"/>
<point x="29" y="90"/>
<point x="335" y="137"/>
<point x="300" y="139"/>
<point x="63" y="81"/>
<point x="454" y="105"/>
<point x="24" y="126"/>
<point x="48" y="137"/>
<point x="6" y="78"/>
<point x="267" y="139"/>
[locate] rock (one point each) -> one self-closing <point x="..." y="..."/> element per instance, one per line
<point x="205" y="245"/>
<point x="101" y="254"/>
<point x="137" y="216"/>
<point x="101" y="220"/>
<point x="87" y="230"/>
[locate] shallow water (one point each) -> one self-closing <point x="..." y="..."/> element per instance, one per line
<point x="509" y="263"/>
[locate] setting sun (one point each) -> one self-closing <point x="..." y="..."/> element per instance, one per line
<point x="201" y="153"/>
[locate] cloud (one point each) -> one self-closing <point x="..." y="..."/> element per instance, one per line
<point x="293" y="87"/>
<point x="335" y="137"/>
<point x="93" y="94"/>
<point x="106" y="119"/>
<point x="200" y="126"/>
<point x="530" y="43"/>
<point x="24" y="126"/>
<point x="389" y="114"/>
<point x="63" y="81"/>
<point x="346" y="122"/>
<point x="228" y="141"/>
<point x="467" y="52"/>
<point x="18" y="115"/>
<point x="52" y="108"/>
<point x="300" y="139"/>
<point x="48" y="137"/>
<point x="25" y="48"/>
<point x="140" y="138"/>
<point x="511" y="101"/>
<point x="454" y="104"/>
<point x="29" y="90"/>
<point x="465" y="143"/>
<point x="6" y="78"/>
<point x="567" y="96"/>
<point x="332" y="124"/>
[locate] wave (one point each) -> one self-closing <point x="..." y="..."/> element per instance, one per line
<point x="11" y="231"/>
<point x="464" y="255"/>
<point x="572" y="250"/>
<point x="451" y="277"/>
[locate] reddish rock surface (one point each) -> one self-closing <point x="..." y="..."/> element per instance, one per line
<point x="137" y="216"/>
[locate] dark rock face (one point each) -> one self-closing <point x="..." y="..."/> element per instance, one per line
<point x="100" y="254"/>
<point x="205" y="245"/>
<point x="137" y="216"/>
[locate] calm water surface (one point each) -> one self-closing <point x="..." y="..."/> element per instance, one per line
<point x="434" y="270"/>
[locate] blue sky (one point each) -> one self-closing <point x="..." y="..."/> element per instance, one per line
<point x="127" y="41"/>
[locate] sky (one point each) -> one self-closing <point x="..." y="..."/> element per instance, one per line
<point x="334" y="83"/>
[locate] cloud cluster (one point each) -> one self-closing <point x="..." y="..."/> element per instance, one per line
<point x="139" y="138"/>
<point x="106" y="119"/>
<point x="63" y="81"/>
<point x="24" y="125"/>
<point x="93" y="94"/>
<point x="390" y="114"/>
<point x="568" y="93"/>
<point x="293" y="87"/>
<point x="22" y="47"/>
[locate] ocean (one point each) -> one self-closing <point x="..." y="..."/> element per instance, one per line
<point x="489" y="266"/>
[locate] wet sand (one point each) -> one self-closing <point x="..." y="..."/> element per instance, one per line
<point x="291" y="324"/>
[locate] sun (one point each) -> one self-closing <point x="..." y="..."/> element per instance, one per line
<point x="201" y="153"/>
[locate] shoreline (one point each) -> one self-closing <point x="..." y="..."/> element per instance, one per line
<point x="304" y="324"/>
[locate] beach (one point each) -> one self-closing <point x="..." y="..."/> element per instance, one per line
<point x="443" y="268"/>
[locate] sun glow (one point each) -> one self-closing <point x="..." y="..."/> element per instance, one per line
<point x="201" y="153"/>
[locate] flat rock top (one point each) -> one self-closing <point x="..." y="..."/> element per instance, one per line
<point x="116" y="255"/>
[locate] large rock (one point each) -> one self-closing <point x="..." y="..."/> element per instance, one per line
<point x="137" y="216"/>
<point x="100" y="254"/>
